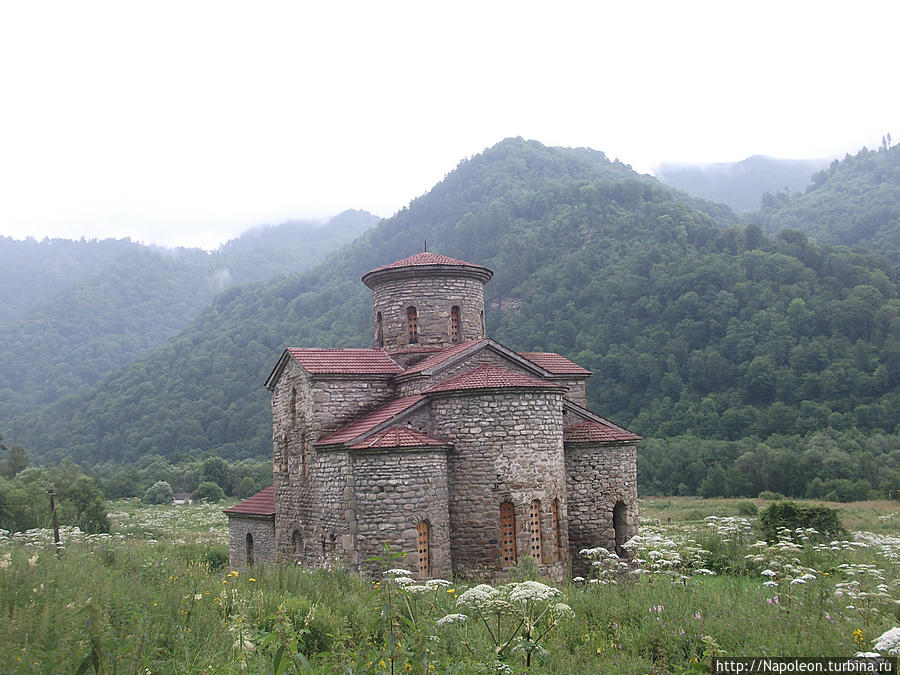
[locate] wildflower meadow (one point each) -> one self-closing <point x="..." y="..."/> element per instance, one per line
<point x="156" y="595"/>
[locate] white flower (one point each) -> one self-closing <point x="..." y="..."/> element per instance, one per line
<point x="450" y="619"/>
<point x="562" y="609"/>
<point x="889" y="642"/>
<point x="532" y="591"/>
<point x="768" y="573"/>
<point x="798" y="580"/>
<point x="477" y="596"/>
<point x="771" y="584"/>
<point x="397" y="572"/>
<point x="433" y="584"/>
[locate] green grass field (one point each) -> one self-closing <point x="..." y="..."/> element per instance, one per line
<point x="158" y="596"/>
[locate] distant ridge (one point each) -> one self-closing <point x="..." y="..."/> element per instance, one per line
<point x="740" y="185"/>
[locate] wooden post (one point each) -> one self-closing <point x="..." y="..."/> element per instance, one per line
<point x="55" y="521"/>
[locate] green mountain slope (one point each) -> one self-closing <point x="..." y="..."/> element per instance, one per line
<point x="855" y="202"/>
<point x="741" y="185"/>
<point x="139" y="298"/>
<point x="688" y="325"/>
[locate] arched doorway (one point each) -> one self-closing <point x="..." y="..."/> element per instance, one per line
<point x="620" y="517"/>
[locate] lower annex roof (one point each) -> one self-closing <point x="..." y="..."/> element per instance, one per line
<point x="260" y="504"/>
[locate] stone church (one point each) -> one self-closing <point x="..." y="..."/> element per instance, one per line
<point x="440" y="442"/>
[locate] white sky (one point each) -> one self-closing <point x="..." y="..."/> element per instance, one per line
<point x="184" y="123"/>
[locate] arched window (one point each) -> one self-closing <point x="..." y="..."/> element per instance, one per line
<point x="297" y="545"/>
<point x="454" y="324"/>
<point x="332" y="544"/>
<point x="535" y="527"/>
<point x="620" y="511"/>
<point x="557" y="535"/>
<point x="424" y="547"/>
<point x="379" y="330"/>
<point x="507" y="534"/>
<point x="249" y="549"/>
<point x="412" y="325"/>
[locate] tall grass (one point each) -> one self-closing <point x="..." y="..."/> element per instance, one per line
<point x="157" y="601"/>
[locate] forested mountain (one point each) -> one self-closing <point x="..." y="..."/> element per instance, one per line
<point x="690" y="327"/>
<point x="854" y="202"/>
<point x="91" y="322"/>
<point x="740" y="185"/>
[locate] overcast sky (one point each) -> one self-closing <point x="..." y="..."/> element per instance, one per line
<point x="184" y="123"/>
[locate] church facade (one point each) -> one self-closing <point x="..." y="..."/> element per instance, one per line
<point x="439" y="442"/>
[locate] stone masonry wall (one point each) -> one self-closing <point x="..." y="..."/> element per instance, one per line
<point x="597" y="478"/>
<point x="433" y="297"/>
<point x="507" y="447"/>
<point x="263" y="532"/>
<point x="394" y="491"/>
<point x="576" y="390"/>
<point x="311" y="487"/>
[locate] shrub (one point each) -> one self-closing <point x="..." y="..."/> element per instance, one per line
<point x="747" y="508"/>
<point x="208" y="491"/>
<point x="771" y="496"/>
<point x="158" y="493"/>
<point x="791" y="515"/>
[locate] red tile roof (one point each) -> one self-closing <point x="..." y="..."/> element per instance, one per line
<point x="441" y="356"/>
<point x="490" y="377"/>
<point x="398" y="437"/>
<point x="590" y="431"/>
<point x="260" y="504"/>
<point x="556" y="364"/>
<point x="425" y="259"/>
<point x="370" y="420"/>
<point x="421" y="260"/>
<point x="346" y="361"/>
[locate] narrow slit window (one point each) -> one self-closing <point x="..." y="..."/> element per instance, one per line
<point x="412" y="325"/>
<point x="294" y="407"/>
<point x="303" y="467"/>
<point x="454" y="324"/>
<point x="536" y="548"/>
<point x="297" y="544"/>
<point x="249" y="549"/>
<point x="507" y="534"/>
<point x="483" y="328"/>
<point x="424" y="547"/>
<point x="379" y="330"/>
<point x="557" y="535"/>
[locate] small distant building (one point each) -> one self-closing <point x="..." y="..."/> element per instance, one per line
<point x="439" y="441"/>
<point x="182" y="498"/>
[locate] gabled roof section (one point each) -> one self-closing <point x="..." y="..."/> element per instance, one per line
<point x="260" y="504"/>
<point x="491" y="377"/>
<point x="427" y="263"/>
<point x="371" y="421"/>
<point x="366" y="362"/>
<point x="441" y="357"/>
<point x="447" y="357"/>
<point x="590" y="431"/>
<point x="399" y="437"/>
<point x="556" y="364"/>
